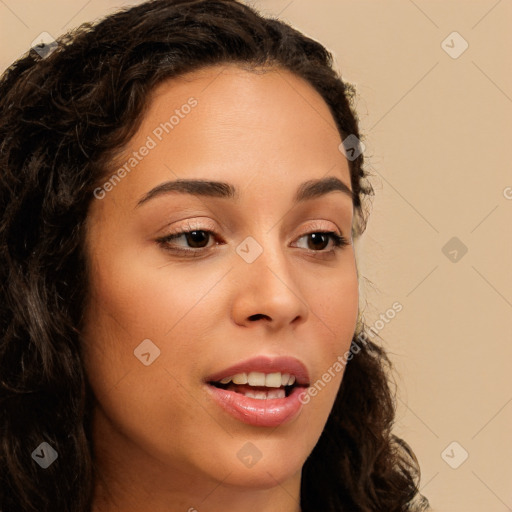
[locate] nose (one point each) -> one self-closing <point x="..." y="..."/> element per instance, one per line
<point x="267" y="292"/>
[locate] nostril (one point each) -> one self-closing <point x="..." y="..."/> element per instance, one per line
<point x="258" y="316"/>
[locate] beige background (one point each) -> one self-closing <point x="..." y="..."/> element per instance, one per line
<point x="437" y="133"/>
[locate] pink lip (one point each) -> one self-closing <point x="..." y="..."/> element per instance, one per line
<point x="262" y="413"/>
<point x="266" y="364"/>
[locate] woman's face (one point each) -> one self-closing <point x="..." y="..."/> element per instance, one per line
<point x="256" y="289"/>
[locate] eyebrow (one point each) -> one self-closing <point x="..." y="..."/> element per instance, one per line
<point x="308" y="190"/>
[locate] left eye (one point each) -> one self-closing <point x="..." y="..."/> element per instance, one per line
<point x="319" y="240"/>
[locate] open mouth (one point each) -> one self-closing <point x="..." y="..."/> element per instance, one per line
<point x="259" y="385"/>
<point x="263" y="391"/>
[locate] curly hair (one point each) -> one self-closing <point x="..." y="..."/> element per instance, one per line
<point x="64" y="116"/>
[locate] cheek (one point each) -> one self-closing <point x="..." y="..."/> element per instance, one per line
<point x="334" y="302"/>
<point x="334" y="310"/>
<point x="131" y="303"/>
<point x="134" y="300"/>
<point x="145" y="297"/>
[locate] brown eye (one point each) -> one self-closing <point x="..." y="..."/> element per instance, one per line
<point x="319" y="241"/>
<point x="187" y="241"/>
<point x="197" y="239"/>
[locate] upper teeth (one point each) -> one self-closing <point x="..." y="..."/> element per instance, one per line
<point x="270" y="380"/>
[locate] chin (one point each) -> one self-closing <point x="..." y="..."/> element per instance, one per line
<point x="262" y="475"/>
<point x="260" y="462"/>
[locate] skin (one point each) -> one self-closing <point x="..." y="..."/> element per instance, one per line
<point x="160" y="442"/>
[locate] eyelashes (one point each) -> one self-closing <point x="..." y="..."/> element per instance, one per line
<point x="337" y="240"/>
<point x="198" y="240"/>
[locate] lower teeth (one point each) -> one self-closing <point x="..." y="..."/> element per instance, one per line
<point x="259" y="394"/>
<point x="264" y="395"/>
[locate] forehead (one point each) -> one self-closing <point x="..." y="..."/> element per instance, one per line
<point x="235" y="125"/>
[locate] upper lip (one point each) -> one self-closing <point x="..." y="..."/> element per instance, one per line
<point x="266" y="364"/>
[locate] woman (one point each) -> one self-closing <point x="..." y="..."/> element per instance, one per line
<point x="181" y="188"/>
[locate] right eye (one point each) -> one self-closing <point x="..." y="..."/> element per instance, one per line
<point x="197" y="241"/>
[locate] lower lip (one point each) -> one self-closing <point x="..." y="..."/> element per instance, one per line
<point x="261" y="413"/>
